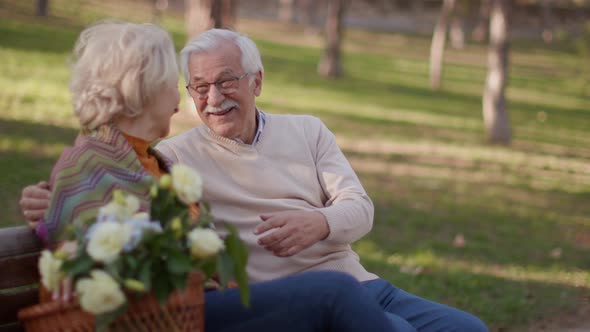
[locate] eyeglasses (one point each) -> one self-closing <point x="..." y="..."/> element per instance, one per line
<point x="224" y="85"/>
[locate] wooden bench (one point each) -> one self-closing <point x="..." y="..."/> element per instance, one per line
<point x="19" y="275"/>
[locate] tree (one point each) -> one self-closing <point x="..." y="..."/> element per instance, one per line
<point x="457" y="28"/>
<point x="228" y="13"/>
<point x="287" y="11"/>
<point x="203" y="15"/>
<point x="480" y="31"/>
<point x="495" y="114"/>
<point x="547" y="19"/>
<point x="437" y="48"/>
<point x="330" y="64"/>
<point x="42" y="8"/>
<point x="417" y="7"/>
<point x="159" y="6"/>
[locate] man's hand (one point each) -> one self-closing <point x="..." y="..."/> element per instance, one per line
<point x="34" y="201"/>
<point x="295" y="231"/>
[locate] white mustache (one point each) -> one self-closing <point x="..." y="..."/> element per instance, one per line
<point x="226" y="105"/>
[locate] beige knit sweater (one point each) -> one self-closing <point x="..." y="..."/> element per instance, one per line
<point x="296" y="165"/>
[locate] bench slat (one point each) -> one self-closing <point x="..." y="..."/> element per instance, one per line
<point x="19" y="271"/>
<point x="10" y="304"/>
<point x="18" y="241"/>
<point x="12" y="328"/>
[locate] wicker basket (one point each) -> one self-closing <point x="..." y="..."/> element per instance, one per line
<point x="183" y="312"/>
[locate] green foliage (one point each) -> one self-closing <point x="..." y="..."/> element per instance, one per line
<point x="79" y="265"/>
<point x="238" y="258"/>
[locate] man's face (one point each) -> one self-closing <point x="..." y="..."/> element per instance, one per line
<point x="230" y="115"/>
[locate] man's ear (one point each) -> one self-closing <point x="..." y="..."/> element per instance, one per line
<point x="258" y="83"/>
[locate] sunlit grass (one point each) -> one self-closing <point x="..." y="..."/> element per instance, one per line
<point x="30" y="146"/>
<point x="411" y="263"/>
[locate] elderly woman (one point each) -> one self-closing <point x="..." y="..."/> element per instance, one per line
<point x="124" y="92"/>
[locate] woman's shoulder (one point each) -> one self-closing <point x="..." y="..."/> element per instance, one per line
<point x="92" y="153"/>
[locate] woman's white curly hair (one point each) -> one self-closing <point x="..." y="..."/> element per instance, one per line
<point x="117" y="69"/>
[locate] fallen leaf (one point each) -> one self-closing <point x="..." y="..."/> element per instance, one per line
<point x="459" y="241"/>
<point x="555" y="253"/>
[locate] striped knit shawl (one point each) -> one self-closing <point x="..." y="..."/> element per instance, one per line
<point x="85" y="176"/>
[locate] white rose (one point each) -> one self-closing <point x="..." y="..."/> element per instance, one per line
<point x="107" y="240"/>
<point x="204" y="242"/>
<point x="121" y="208"/>
<point x="100" y="293"/>
<point x="187" y="183"/>
<point x="49" y="267"/>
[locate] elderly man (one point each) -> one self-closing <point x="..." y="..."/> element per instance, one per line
<point x="280" y="179"/>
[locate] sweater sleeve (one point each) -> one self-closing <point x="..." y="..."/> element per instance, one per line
<point x="348" y="209"/>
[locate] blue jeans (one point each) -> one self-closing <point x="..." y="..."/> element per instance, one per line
<point x="411" y="313"/>
<point x="308" y="302"/>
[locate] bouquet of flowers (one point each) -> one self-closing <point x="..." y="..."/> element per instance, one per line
<point x="125" y="253"/>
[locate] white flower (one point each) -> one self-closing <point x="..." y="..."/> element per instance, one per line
<point x="107" y="239"/>
<point x="121" y="208"/>
<point x="100" y="293"/>
<point x="138" y="225"/>
<point x="204" y="242"/>
<point x="187" y="183"/>
<point x="49" y="267"/>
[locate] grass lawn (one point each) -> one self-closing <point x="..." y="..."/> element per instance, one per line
<point x="523" y="211"/>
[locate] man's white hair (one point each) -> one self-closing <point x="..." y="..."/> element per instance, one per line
<point x="118" y="68"/>
<point x="211" y="39"/>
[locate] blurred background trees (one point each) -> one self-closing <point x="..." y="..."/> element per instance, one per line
<point x="461" y="22"/>
<point x="203" y="15"/>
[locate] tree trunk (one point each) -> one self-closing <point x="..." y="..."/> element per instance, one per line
<point x="547" y="15"/>
<point x="437" y="48"/>
<point x="458" y="23"/>
<point x="457" y="33"/>
<point x="287" y="11"/>
<point x="495" y="114"/>
<point x="307" y="10"/>
<point x="480" y="31"/>
<point x="417" y="7"/>
<point x="228" y="13"/>
<point x="159" y="6"/>
<point x="42" y="8"/>
<point x="202" y="15"/>
<point x="330" y="64"/>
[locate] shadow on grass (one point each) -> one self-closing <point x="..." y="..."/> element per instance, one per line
<point x="47" y="38"/>
<point x="503" y="304"/>
<point x="43" y="133"/>
<point x="21" y="168"/>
